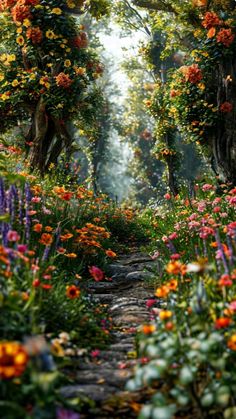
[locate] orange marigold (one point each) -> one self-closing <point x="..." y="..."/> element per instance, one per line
<point x="210" y="19"/>
<point x="13" y="360"/>
<point x="225" y="37"/>
<point x="35" y="34"/>
<point x="176" y="267"/>
<point x="63" y="80"/>
<point x="232" y="342"/>
<point x="110" y="253"/>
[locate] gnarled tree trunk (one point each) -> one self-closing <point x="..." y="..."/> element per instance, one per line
<point x="224" y="140"/>
<point x="49" y="137"/>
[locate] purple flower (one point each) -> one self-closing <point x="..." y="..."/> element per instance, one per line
<point x="66" y="414"/>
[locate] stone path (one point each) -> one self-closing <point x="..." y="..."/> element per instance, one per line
<point x="104" y="381"/>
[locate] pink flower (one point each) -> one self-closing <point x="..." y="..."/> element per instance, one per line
<point x="201" y="206"/>
<point x="155" y="255"/>
<point x="193" y="224"/>
<point x="96" y="273"/>
<point x="233" y="191"/>
<point x="46" y="211"/>
<point x="150" y="302"/>
<point x="165" y="239"/>
<point x="173" y="236"/>
<point x="207" y="187"/>
<point x="193" y="216"/>
<point x="95" y="353"/>
<point x="216" y="201"/>
<point x="216" y="209"/>
<point x="32" y="212"/>
<point x="205" y="232"/>
<point x="36" y="199"/>
<point x="232" y="201"/>
<point x="223" y="214"/>
<point x="167" y="196"/>
<point x="13" y="236"/>
<point x="232" y="306"/>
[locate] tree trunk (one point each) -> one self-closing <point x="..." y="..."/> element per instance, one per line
<point x="224" y="140"/>
<point x="49" y="137"/>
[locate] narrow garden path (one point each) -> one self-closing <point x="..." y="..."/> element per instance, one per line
<point x="103" y="379"/>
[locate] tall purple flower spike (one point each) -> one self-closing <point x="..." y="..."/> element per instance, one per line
<point x="27" y="208"/>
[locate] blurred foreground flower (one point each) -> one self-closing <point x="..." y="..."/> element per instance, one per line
<point x="13" y="360"/>
<point x="66" y="414"/>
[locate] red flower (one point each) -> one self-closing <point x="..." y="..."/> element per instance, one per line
<point x="225" y="37"/>
<point x="81" y="41"/>
<point x="35" y="34"/>
<point x="225" y="281"/>
<point x="210" y="19"/>
<point x="222" y="322"/>
<point x="96" y="273"/>
<point x="226" y="107"/>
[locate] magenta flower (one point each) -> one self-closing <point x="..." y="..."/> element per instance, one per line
<point x="22" y="248"/>
<point x="96" y="273"/>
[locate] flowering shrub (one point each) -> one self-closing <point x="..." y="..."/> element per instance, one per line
<point x="190" y="342"/>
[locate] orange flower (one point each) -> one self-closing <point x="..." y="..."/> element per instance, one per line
<point x="13" y="360"/>
<point x="72" y="291"/>
<point x="63" y="80"/>
<point x="38" y="228"/>
<point x="232" y="342"/>
<point x="20" y="13"/>
<point x="162" y="292"/>
<point x="211" y="33"/>
<point x="165" y="314"/>
<point x="192" y="73"/>
<point x="110" y="253"/>
<point x="148" y="329"/>
<point x="210" y="20"/>
<point x="48" y="229"/>
<point x="176" y="268"/>
<point x="172" y="285"/>
<point x="81" y="41"/>
<point x="35" y="34"/>
<point x="46" y="239"/>
<point x="71" y="255"/>
<point x="225" y="37"/>
<point x="65" y="237"/>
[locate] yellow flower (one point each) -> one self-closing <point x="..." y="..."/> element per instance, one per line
<point x="1" y="76"/>
<point x="67" y="63"/>
<point x="15" y="83"/>
<point x="5" y="97"/>
<point x="20" y="40"/>
<point x="57" y="11"/>
<point x="27" y="23"/>
<point x="50" y="34"/>
<point x="19" y="30"/>
<point x="71" y="4"/>
<point x="68" y="49"/>
<point x="80" y="71"/>
<point x="201" y="86"/>
<point x="11" y="58"/>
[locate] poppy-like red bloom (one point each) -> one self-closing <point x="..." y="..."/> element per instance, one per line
<point x="63" y="80"/>
<point x="20" y="13"/>
<point x="210" y="19"/>
<point x="225" y="37"/>
<point x="96" y="273"/>
<point x="35" y="34"/>
<point x="72" y="291"/>
<point x="13" y="360"/>
<point x="222" y="322"/>
<point x="226" y="107"/>
<point x="81" y="41"/>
